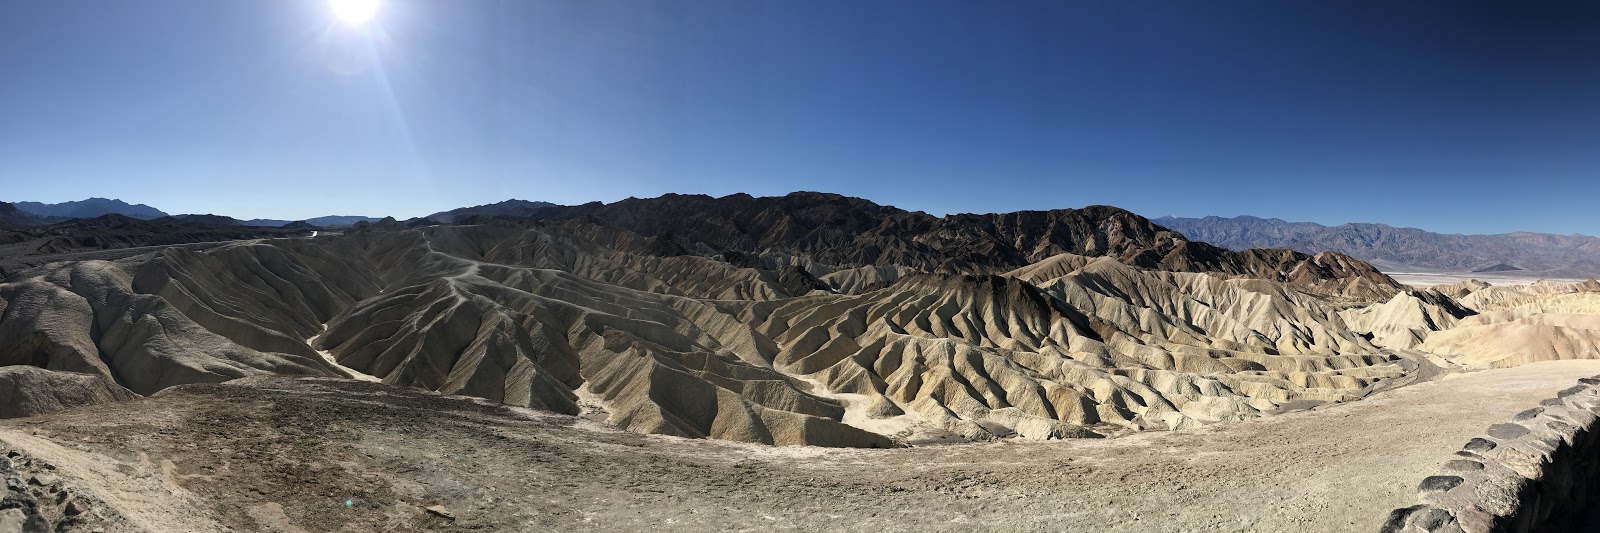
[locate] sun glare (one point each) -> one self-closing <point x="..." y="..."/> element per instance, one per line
<point x="355" y="12"/>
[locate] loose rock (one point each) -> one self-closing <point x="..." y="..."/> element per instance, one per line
<point x="1439" y="484"/>
<point x="1507" y="431"/>
<point x="441" y="512"/>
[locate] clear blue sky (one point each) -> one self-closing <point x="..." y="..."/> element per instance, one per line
<point x="1451" y="116"/>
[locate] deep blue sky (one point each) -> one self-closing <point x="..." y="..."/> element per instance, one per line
<point x="1451" y="116"/>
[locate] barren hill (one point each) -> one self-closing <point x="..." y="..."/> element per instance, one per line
<point x="513" y="208"/>
<point x="11" y="217"/>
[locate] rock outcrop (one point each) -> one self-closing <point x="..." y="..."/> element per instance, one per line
<point x="30" y="391"/>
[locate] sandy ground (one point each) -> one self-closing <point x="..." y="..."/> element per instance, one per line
<point x="327" y="356"/>
<point x="340" y="455"/>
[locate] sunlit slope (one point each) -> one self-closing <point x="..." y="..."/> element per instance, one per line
<point x="1515" y="325"/>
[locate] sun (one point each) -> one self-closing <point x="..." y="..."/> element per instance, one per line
<point x="355" y="12"/>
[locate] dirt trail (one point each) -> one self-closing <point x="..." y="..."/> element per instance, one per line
<point x="279" y="454"/>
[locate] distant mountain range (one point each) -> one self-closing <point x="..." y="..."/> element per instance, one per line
<point x="10" y="216"/>
<point x="36" y="213"/>
<point x="1406" y="249"/>
<point x="91" y="208"/>
<point x="321" y="222"/>
<point x="1386" y="247"/>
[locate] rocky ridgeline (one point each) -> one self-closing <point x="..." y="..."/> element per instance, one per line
<point x="1534" y="473"/>
<point x="37" y="500"/>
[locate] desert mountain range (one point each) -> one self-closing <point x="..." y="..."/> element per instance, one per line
<point x="90" y="208"/>
<point x="37" y="213"/>
<point x="739" y="318"/>
<point x="1406" y="249"/>
<point x="806" y="319"/>
<point x="809" y="318"/>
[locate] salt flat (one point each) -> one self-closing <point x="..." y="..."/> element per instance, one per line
<point x="1429" y="279"/>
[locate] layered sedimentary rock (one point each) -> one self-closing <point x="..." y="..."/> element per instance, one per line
<point x="1515" y="325"/>
<point x="1475" y="325"/>
<point x="1407" y="319"/>
<point x="89" y="317"/>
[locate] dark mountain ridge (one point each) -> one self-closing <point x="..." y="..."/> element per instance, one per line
<point x="849" y="232"/>
<point x="36" y="244"/>
<point x="508" y="208"/>
<point x="201" y="219"/>
<point x="11" y="217"/>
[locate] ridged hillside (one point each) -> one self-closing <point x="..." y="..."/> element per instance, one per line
<point x="779" y="333"/>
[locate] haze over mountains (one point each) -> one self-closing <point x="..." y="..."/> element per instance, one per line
<point x="1406" y="249"/>
<point x="321" y="222"/>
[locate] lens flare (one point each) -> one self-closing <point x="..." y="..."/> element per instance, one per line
<point x="355" y="12"/>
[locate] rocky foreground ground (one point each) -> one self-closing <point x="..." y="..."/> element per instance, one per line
<point x="317" y="454"/>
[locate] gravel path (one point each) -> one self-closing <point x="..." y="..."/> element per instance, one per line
<point x="317" y="455"/>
